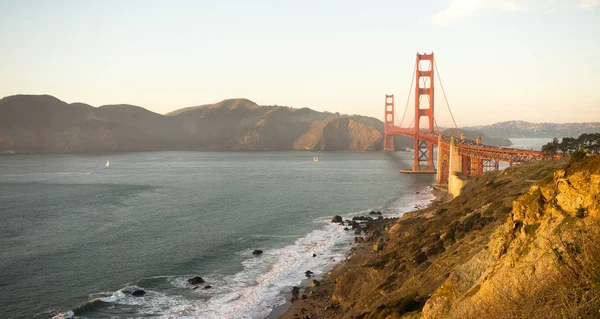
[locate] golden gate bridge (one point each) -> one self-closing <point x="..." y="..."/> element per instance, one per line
<point x="458" y="159"/>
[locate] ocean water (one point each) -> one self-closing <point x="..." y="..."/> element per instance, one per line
<point x="530" y="143"/>
<point x="77" y="236"/>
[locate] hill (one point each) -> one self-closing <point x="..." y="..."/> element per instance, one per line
<point x="45" y="124"/>
<point x="526" y="129"/>
<point x="472" y="135"/>
<point x="518" y="243"/>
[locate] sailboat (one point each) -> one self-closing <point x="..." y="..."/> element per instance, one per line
<point x="315" y="159"/>
<point x="107" y="164"/>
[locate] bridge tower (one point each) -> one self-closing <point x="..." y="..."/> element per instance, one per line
<point x="388" y="124"/>
<point x="423" y="157"/>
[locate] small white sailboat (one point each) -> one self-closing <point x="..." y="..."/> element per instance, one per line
<point x="315" y="159"/>
<point x="107" y="164"/>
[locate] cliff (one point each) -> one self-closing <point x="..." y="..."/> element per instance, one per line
<point x="45" y="124"/>
<point x="521" y="243"/>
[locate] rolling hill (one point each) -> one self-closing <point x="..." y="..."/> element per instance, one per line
<point x="44" y="124"/>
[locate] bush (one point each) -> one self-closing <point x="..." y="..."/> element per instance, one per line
<point x="577" y="156"/>
<point x="581" y="212"/>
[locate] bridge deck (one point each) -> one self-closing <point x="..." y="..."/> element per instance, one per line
<point x="471" y="148"/>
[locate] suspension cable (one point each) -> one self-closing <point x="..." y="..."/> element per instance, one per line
<point x="444" y="92"/>
<point x="409" y="93"/>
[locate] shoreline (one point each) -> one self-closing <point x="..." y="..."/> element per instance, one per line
<point x="319" y="297"/>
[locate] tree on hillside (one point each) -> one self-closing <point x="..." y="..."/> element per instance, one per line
<point x="551" y="148"/>
<point x="568" y="145"/>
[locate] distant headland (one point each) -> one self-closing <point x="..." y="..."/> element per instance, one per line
<point x="41" y="124"/>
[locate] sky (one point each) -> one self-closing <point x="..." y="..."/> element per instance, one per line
<point x="499" y="60"/>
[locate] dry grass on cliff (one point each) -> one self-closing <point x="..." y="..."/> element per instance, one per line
<point x="570" y="288"/>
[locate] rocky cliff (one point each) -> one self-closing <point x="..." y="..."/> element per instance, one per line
<point x="521" y="243"/>
<point x="45" y="124"/>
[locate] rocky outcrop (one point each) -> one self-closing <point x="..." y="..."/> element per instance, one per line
<point x="530" y="250"/>
<point x="195" y="280"/>
<point x="521" y="243"/>
<point x="341" y="134"/>
<point x="337" y="219"/>
<point x="138" y="293"/>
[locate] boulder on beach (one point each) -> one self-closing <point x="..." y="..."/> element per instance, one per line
<point x="314" y="255"/>
<point x="195" y="281"/>
<point x="315" y="283"/>
<point x="337" y="219"/>
<point x="346" y="228"/>
<point x="257" y="252"/>
<point x="295" y="291"/>
<point x="138" y="293"/>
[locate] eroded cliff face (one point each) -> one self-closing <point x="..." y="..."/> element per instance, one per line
<point x="529" y="265"/>
<point x="341" y="134"/>
<point x="521" y="243"/>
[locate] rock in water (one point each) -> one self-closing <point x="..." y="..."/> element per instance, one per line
<point x="138" y="293"/>
<point x="308" y="273"/>
<point x="257" y="252"/>
<point x="337" y="219"/>
<point x="207" y="287"/>
<point x="195" y="281"/>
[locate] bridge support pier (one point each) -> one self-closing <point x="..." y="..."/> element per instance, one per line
<point x="442" y="163"/>
<point x="456" y="179"/>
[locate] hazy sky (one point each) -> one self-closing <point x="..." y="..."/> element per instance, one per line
<point x="534" y="60"/>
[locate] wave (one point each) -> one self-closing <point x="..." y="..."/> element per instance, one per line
<point x="264" y="283"/>
<point x="266" y="280"/>
<point x="46" y="174"/>
<point x="65" y="315"/>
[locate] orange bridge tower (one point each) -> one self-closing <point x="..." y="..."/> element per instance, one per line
<point x="424" y="107"/>
<point x="388" y="124"/>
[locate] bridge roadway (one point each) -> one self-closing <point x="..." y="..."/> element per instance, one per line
<point x="471" y="148"/>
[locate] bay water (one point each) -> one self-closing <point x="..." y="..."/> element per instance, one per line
<point x="76" y="235"/>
